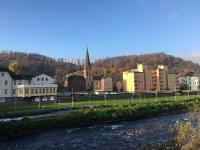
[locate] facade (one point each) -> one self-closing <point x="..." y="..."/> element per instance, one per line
<point x="119" y="86"/>
<point x="107" y="84"/>
<point x="173" y="82"/>
<point x="103" y="84"/>
<point x="146" y="79"/>
<point x="6" y="84"/>
<point x="96" y="83"/>
<point x="21" y="86"/>
<point x="76" y="83"/>
<point x="147" y="76"/>
<point x="189" y="83"/>
<point x="133" y="81"/>
<point x="162" y="74"/>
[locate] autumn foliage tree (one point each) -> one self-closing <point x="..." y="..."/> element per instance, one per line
<point x="15" y="67"/>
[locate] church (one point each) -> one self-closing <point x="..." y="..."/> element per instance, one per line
<point x="84" y="80"/>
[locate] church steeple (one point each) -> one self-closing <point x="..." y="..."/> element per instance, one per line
<point x="87" y="71"/>
<point x="87" y="61"/>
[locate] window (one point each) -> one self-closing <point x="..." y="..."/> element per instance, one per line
<point x="5" y="91"/>
<point x="14" y="91"/>
<point x="54" y="90"/>
<point x="46" y="79"/>
<point x="26" y="91"/>
<point x="43" y="91"/>
<point x="50" y="90"/>
<point x="38" y="79"/>
<point x="42" y="79"/>
<point x="32" y="91"/>
<point x="36" y="91"/>
<point x="47" y="90"/>
<point x="15" y="82"/>
<point x="2" y="74"/>
<point x="40" y="90"/>
<point x="21" y="91"/>
<point x="6" y="82"/>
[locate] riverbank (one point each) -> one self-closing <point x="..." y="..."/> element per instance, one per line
<point x="80" y="118"/>
<point x="32" y="109"/>
<point x="146" y="134"/>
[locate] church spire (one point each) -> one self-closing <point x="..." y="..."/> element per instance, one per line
<point x="87" y="60"/>
<point x="87" y="71"/>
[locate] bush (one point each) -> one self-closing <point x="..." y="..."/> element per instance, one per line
<point x="188" y="133"/>
<point x="80" y="118"/>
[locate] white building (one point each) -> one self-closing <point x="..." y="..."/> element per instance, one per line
<point x="189" y="83"/>
<point x="14" y="86"/>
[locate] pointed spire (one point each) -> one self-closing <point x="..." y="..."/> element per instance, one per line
<point x="87" y="60"/>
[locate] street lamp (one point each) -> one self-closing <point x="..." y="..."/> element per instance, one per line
<point x="156" y="96"/>
<point x="72" y="98"/>
<point x="105" y="99"/>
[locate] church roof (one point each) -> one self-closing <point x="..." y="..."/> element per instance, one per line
<point x="87" y="61"/>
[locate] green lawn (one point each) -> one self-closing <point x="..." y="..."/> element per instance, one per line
<point x="5" y="108"/>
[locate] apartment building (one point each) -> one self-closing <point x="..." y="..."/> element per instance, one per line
<point x="162" y="74"/>
<point x="147" y="79"/>
<point x="133" y="81"/>
<point x="173" y="81"/>
<point x="14" y="86"/>
<point x="147" y="76"/>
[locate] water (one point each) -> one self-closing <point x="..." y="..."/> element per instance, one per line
<point x="121" y="136"/>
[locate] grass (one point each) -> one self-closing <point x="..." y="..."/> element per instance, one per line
<point x="23" y="109"/>
<point x="81" y="118"/>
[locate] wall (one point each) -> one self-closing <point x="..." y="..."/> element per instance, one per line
<point x="5" y="77"/>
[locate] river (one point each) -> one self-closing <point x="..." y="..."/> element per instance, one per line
<point x="122" y="136"/>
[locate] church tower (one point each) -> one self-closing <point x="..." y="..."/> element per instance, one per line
<point x="87" y="71"/>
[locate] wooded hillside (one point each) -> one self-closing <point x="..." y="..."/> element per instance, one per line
<point x="123" y="63"/>
<point x="34" y="64"/>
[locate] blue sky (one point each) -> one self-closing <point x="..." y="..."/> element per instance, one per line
<point x="62" y="28"/>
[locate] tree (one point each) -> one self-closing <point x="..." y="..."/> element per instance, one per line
<point x="15" y="67"/>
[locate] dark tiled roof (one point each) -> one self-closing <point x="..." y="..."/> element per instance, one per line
<point x="191" y="74"/>
<point x="76" y="77"/>
<point x="16" y="76"/>
<point x="97" y="77"/>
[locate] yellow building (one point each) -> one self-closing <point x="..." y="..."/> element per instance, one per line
<point x="147" y="76"/>
<point x="133" y="81"/>
<point x="36" y="90"/>
<point x="162" y="82"/>
<point x="146" y="79"/>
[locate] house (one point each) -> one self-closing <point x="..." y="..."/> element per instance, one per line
<point x="14" y="87"/>
<point x="106" y="84"/>
<point x="189" y="83"/>
<point x="75" y="83"/>
<point x="118" y="85"/>
<point x="97" y="83"/>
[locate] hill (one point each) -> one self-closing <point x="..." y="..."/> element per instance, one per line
<point x="123" y="63"/>
<point x="34" y="64"/>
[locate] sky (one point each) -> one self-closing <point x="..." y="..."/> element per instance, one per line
<point x="64" y="28"/>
